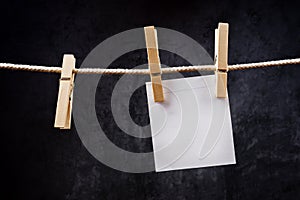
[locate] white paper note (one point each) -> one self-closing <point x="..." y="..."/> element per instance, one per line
<point x="191" y="128"/>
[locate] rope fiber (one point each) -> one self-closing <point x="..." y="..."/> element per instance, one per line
<point x="34" y="68"/>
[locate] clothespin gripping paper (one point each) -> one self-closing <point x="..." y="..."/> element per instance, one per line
<point x="154" y="63"/>
<point x="221" y="59"/>
<point x="65" y="94"/>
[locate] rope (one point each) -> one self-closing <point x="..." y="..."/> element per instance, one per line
<point x="34" y="68"/>
<point x="144" y="71"/>
<point x="264" y="64"/>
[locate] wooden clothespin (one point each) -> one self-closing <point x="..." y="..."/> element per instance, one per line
<point x="221" y="59"/>
<point x="65" y="94"/>
<point x="154" y="63"/>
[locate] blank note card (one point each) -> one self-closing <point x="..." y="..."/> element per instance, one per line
<point x="191" y="128"/>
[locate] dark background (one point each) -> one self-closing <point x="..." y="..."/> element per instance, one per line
<point x="41" y="162"/>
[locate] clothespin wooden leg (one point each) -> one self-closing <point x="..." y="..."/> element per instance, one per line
<point x="65" y="94"/>
<point x="154" y="63"/>
<point x="221" y="59"/>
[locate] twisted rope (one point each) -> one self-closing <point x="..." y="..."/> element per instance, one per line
<point x="34" y="68"/>
<point x="264" y="64"/>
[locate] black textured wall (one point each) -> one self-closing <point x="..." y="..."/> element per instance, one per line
<point x="41" y="162"/>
